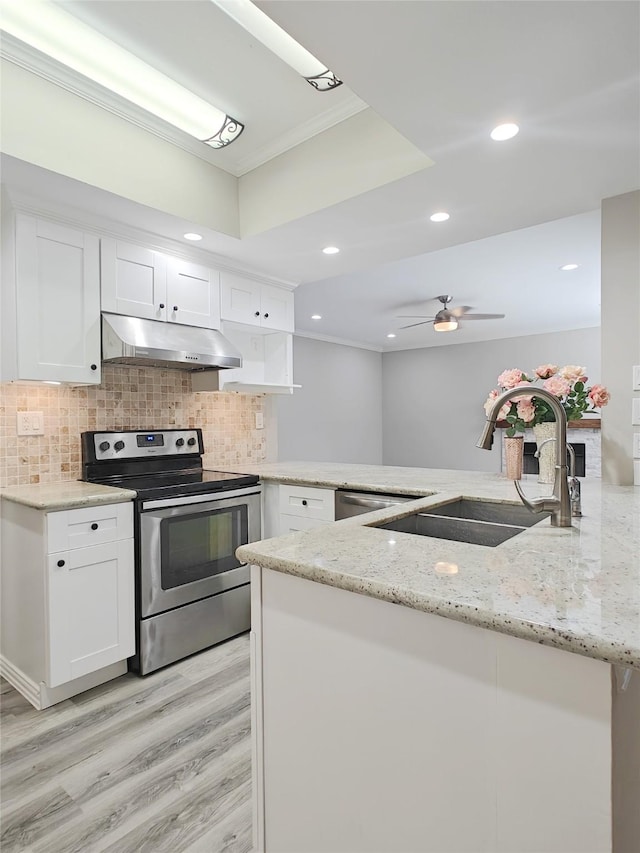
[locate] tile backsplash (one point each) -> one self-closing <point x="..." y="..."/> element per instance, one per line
<point x="128" y="398"/>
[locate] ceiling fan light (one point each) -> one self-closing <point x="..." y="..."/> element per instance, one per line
<point x="445" y="325"/>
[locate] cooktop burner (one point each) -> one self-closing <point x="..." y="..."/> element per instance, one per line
<point x="179" y="483"/>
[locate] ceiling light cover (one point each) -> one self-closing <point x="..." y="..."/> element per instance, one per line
<point x="569" y="267"/>
<point x="504" y="131"/>
<point x="441" y="216"/>
<point x="190" y="235"/>
<point x="331" y="250"/>
<point x="58" y="34"/>
<point x="275" y="39"/>
<point x="445" y="321"/>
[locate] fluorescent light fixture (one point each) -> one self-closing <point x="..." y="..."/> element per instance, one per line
<point x="331" y="250"/>
<point x="275" y="39"/>
<point x="391" y="335"/>
<point x="190" y="235"/>
<point x="439" y="217"/>
<point x="568" y="267"/>
<point x="316" y="316"/>
<point x="504" y="131"/>
<point x="58" y="34"/>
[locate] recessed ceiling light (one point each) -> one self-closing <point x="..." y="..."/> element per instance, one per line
<point x="316" y="316"/>
<point x="439" y="217"/>
<point x="504" y="131"/>
<point x="391" y="335"/>
<point x="331" y="250"/>
<point x="191" y="236"/>
<point x="568" y="267"/>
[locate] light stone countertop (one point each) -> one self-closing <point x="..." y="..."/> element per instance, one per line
<point x="576" y="589"/>
<point x="68" y="494"/>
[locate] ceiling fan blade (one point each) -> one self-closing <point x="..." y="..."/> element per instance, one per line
<point x="483" y="317"/>
<point x="411" y="325"/>
<point x="459" y="310"/>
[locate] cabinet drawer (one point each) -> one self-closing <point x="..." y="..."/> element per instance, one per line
<point x="296" y="523"/>
<point x="307" y="502"/>
<point x="80" y="528"/>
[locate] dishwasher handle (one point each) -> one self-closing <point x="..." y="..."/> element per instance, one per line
<point x="370" y="503"/>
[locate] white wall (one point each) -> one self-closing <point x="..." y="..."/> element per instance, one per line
<point x="620" y="285"/>
<point x="336" y="415"/>
<point x="433" y="398"/>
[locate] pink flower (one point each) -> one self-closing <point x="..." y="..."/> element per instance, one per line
<point x="510" y="378"/>
<point x="525" y="409"/>
<point x="546" y="370"/>
<point x="599" y="396"/>
<point x="557" y="385"/>
<point x="572" y="372"/>
<point x="504" y="411"/>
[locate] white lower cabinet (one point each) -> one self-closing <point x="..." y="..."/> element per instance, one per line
<point x="67" y="598"/>
<point x="290" y="509"/>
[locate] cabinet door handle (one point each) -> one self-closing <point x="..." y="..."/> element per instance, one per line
<point x="175" y="307"/>
<point x="161" y="305"/>
<point x="60" y="563"/>
<point x="257" y="314"/>
<point x="266" y="315"/>
<point x="304" y="503"/>
<point x="94" y="367"/>
<point x="94" y="526"/>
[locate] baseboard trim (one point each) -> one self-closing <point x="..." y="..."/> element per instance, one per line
<point x="41" y="696"/>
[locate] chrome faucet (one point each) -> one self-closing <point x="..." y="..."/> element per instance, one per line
<point x="559" y="503"/>
<point x="574" y="483"/>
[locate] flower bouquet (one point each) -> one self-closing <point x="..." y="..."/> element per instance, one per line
<point x="567" y="383"/>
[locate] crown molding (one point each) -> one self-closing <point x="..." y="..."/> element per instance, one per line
<point x="299" y="333"/>
<point x="102" y="226"/>
<point x="36" y="62"/>
<point x="315" y="125"/>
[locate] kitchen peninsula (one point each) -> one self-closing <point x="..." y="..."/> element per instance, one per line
<point x="511" y="724"/>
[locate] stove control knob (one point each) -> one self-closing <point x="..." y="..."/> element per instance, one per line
<point x="180" y="442"/>
<point x="118" y="446"/>
<point x="191" y="442"/>
<point x="104" y="445"/>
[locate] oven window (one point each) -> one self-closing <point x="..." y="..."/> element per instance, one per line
<point x="201" y="545"/>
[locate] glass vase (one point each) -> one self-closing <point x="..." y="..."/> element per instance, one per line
<point x="513" y="451"/>
<point x="547" y="457"/>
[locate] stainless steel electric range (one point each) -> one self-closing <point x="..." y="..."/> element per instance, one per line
<point x="191" y="590"/>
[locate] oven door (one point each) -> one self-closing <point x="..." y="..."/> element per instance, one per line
<point x="187" y="546"/>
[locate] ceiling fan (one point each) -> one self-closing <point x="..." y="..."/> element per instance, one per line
<point x="448" y="319"/>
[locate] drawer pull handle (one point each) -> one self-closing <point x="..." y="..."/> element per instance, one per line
<point x="304" y="503"/>
<point x="257" y="314"/>
<point x="175" y="307"/>
<point x="94" y="367"/>
<point x="266" y="315"/>
<point x="94" y="526"/>
<point x="60" y="563"/>
<point x="161" y="305"/>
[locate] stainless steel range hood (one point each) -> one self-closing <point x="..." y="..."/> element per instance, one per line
<point x="130" y="340"/>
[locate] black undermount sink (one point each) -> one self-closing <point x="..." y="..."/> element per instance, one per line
<point x="486" y="523"/>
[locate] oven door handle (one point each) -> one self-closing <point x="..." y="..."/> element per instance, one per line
<point x="210" y="497"/>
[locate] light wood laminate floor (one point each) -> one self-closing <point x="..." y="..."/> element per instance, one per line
<point x="153" y="764"/>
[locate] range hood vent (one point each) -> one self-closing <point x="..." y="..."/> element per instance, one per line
<point x="131" y="340"/>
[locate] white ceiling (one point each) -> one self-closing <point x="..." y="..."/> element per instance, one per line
<point x="443" y="74"/>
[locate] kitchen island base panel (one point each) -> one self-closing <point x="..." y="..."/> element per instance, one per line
<point x="378" y="727"/>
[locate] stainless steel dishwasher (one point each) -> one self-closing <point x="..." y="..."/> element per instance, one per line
<point x="356" y="503"/>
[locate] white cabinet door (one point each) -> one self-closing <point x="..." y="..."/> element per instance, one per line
<point x="134" y="280"/>
<point x="193" y="294"/>
<point x="276" y="307"/>
<point x="239" y="299"/>
<point x="57" y="302"/>
<point x="91" y="602"/>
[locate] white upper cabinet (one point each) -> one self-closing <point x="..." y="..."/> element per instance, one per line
<point x="139" y="282"/>
<point x="134" y="280"/>
<point x="51" y="304"/>
<point x="254" y="304"/>
<point x="193" y="294"/>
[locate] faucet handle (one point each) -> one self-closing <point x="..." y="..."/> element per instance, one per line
<point x="544" y="504"/>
